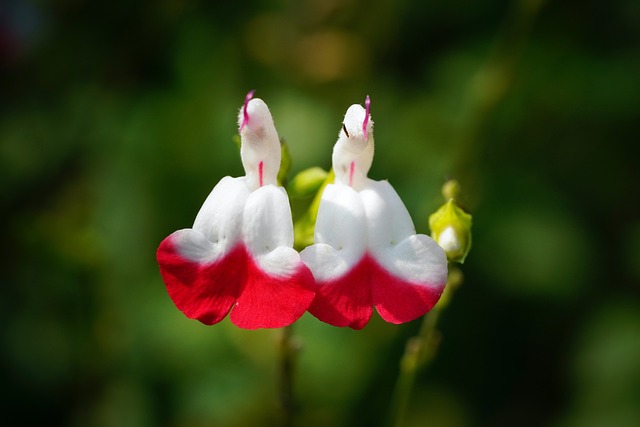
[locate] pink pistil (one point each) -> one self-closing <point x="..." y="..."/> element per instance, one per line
<point x="260" y="170"/>
<point x="245" y="119"/>
<point x="367" y="106"/>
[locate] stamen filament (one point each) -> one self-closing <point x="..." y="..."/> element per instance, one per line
<point x="245" y="119"/>
<point x="367" y="106"/>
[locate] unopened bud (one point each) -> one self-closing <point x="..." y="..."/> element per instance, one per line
<point x="306" y="183"/>
<point x="451" y="228"/>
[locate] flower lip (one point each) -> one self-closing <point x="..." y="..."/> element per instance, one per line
<point x="245" y="114"/>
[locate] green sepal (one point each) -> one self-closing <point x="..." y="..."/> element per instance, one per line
<point x="303" y="228"/>
<point x="285" y="163"/>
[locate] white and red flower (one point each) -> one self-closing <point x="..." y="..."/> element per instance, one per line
<point x="238" y="256"/>
<point x="367" y="253"/>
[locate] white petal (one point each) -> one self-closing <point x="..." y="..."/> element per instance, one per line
<point x="326" y="262"/>
<point x="392" y="238"/>
<point x="341" y="219"/>
<point x="340" y="234"/>
<point x="283" y="261"/>
<point x="417" y="259"/>
<point x="388" y="220"/>
<point x="268" y="231"/>
<point x="220" y="217"/>
<point x="267" y="220"/>
<point x="194" y="246"/>
<point x="448" y="240"/>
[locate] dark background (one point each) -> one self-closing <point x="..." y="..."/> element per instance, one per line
<point x="117" y="118"/>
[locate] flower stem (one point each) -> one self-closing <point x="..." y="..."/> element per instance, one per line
<point x="420" y="351"/>
<point x="288" y="351"/>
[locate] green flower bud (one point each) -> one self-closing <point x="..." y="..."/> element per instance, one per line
<point x="451" y="228"/>
<point x="306" y="183"/>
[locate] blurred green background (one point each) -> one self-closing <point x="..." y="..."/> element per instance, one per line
<point x="117" y="118"/>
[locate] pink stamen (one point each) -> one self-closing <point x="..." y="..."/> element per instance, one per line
<point x="245" y="119"/>
<point x="351" y="169"/>
<point x="367" y="106"/>
<point x="260" y="170"/>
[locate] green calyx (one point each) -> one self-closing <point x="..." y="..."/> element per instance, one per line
<point x="304" y="227"/>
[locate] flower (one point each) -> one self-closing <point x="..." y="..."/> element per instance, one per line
<point x="238" y="256"/>
<point x="366" y="252"/>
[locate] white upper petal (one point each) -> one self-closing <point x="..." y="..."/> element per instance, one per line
<point x="220" y="217"/>
<point x="340" y="233"/>
<point x="260" y="145"/>
<point x="353" y="120"/>
<point x="353" y="153"/>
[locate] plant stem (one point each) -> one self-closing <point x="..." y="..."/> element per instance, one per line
<point x="420" y="351"/>
<point x="288" y="351"/>
<point x="413" y="354"/>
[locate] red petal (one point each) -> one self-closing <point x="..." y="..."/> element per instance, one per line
<point x="207" y="291"/>
<point x="400" y="301"/>
<point x="345" y="301"/>
<point x="202" y="291"/>
<point x="269" y="301"/>
<point x="348" y="300"/>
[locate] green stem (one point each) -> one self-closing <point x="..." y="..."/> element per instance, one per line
<point x="288" y="351"/>
<point x="420" y="351"/>
<point x="415" y="350"/>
